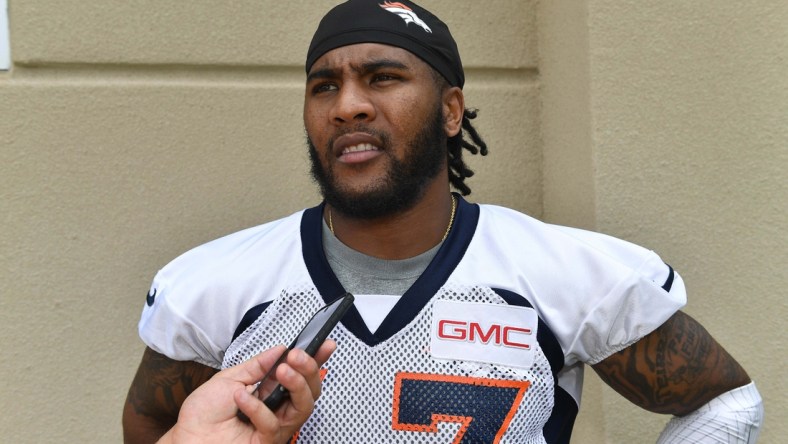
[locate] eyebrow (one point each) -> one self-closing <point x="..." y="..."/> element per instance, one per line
<point x="367" y="67"/>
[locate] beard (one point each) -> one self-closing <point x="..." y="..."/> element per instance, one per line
<point x="404" y="183"/>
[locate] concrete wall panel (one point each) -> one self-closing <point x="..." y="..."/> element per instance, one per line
<point x="690" y="104"/>
<point x="102" y="185"/>
<point x="238" y="33"/>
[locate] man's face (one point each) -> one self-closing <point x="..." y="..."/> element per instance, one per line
<point x="375" y="129"/>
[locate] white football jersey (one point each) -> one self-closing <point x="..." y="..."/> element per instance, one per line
<point x="486" y="346"/>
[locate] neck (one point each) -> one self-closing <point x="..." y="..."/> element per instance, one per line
<point x="399" y="236"/>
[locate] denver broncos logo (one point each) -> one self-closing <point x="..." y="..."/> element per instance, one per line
<point x="405" y="13"/>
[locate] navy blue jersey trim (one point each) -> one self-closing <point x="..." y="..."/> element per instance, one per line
<point x="436" y="274"/>
<point x="250" y="316"/>
<point x="315" y="258"/>
<point x="558" y="428"/>
<point x="547" y="340"/>
<point x="669" y="282"/>
<point x="320" y="271"/>
<point x="418" y="295"/>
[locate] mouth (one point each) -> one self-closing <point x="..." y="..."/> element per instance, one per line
<point x="360" y="148"/>
<point x="357" y="147"/>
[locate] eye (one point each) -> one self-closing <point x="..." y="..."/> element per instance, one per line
<point x="324" y="87"/>
<point x="384" y="77"/>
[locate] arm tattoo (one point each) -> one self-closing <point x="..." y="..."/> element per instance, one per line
<point x="675" y="369"/>
<point x="162" y="384"/>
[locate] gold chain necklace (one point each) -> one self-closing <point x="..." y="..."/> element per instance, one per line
<point x="445" y="235"/>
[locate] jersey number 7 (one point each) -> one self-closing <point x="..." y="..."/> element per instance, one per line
<point x="484" y="407"/>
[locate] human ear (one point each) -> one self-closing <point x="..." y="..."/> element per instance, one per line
<point x="453" y="102"/>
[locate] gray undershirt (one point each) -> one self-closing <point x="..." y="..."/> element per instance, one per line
<point x="363" y="274"/>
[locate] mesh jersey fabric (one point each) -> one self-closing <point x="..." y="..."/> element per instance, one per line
<point x="390" y="391"/>
<point x="594" y="295"/>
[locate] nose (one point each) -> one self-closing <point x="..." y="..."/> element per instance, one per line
<point x="352" y="105"/>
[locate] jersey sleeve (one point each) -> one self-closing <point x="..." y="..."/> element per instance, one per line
<point x="174" y="322"/>
<point x="198" y="300"/>
<point x="641" y="293"/>
<point x="597" y="294"/>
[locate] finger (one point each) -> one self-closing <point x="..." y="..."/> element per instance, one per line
<point x="305" y="363"/>
<point x="302" y="400"/>
<point x="324" y="352"/>
<point x="261" y="417"/>
<point x="308" y="368"/>
<point x="254" y="369"/>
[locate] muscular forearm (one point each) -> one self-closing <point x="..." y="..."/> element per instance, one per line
<point x="733" y="417"/>
<point x="674" y="370"/>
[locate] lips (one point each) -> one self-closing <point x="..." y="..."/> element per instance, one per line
<point x="356" y="147"/>
<point x="359" y="148"/>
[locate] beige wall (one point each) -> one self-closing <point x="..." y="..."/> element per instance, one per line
<point x="131" y="131"/>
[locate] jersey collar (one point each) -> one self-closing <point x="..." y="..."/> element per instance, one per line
<point x="418" y="295"/>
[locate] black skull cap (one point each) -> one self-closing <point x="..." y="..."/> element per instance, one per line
<point x="403" y="24"/>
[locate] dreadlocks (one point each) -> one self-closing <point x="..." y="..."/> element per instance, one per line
<point x="458" y="169"/>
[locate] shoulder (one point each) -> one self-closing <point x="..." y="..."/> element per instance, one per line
<point x="244" y="245"/>
<point x="566" y="245"/>
<point x="597" y="292"/>
<point x="196" y="301"/>
<point x="232" y="261"/>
